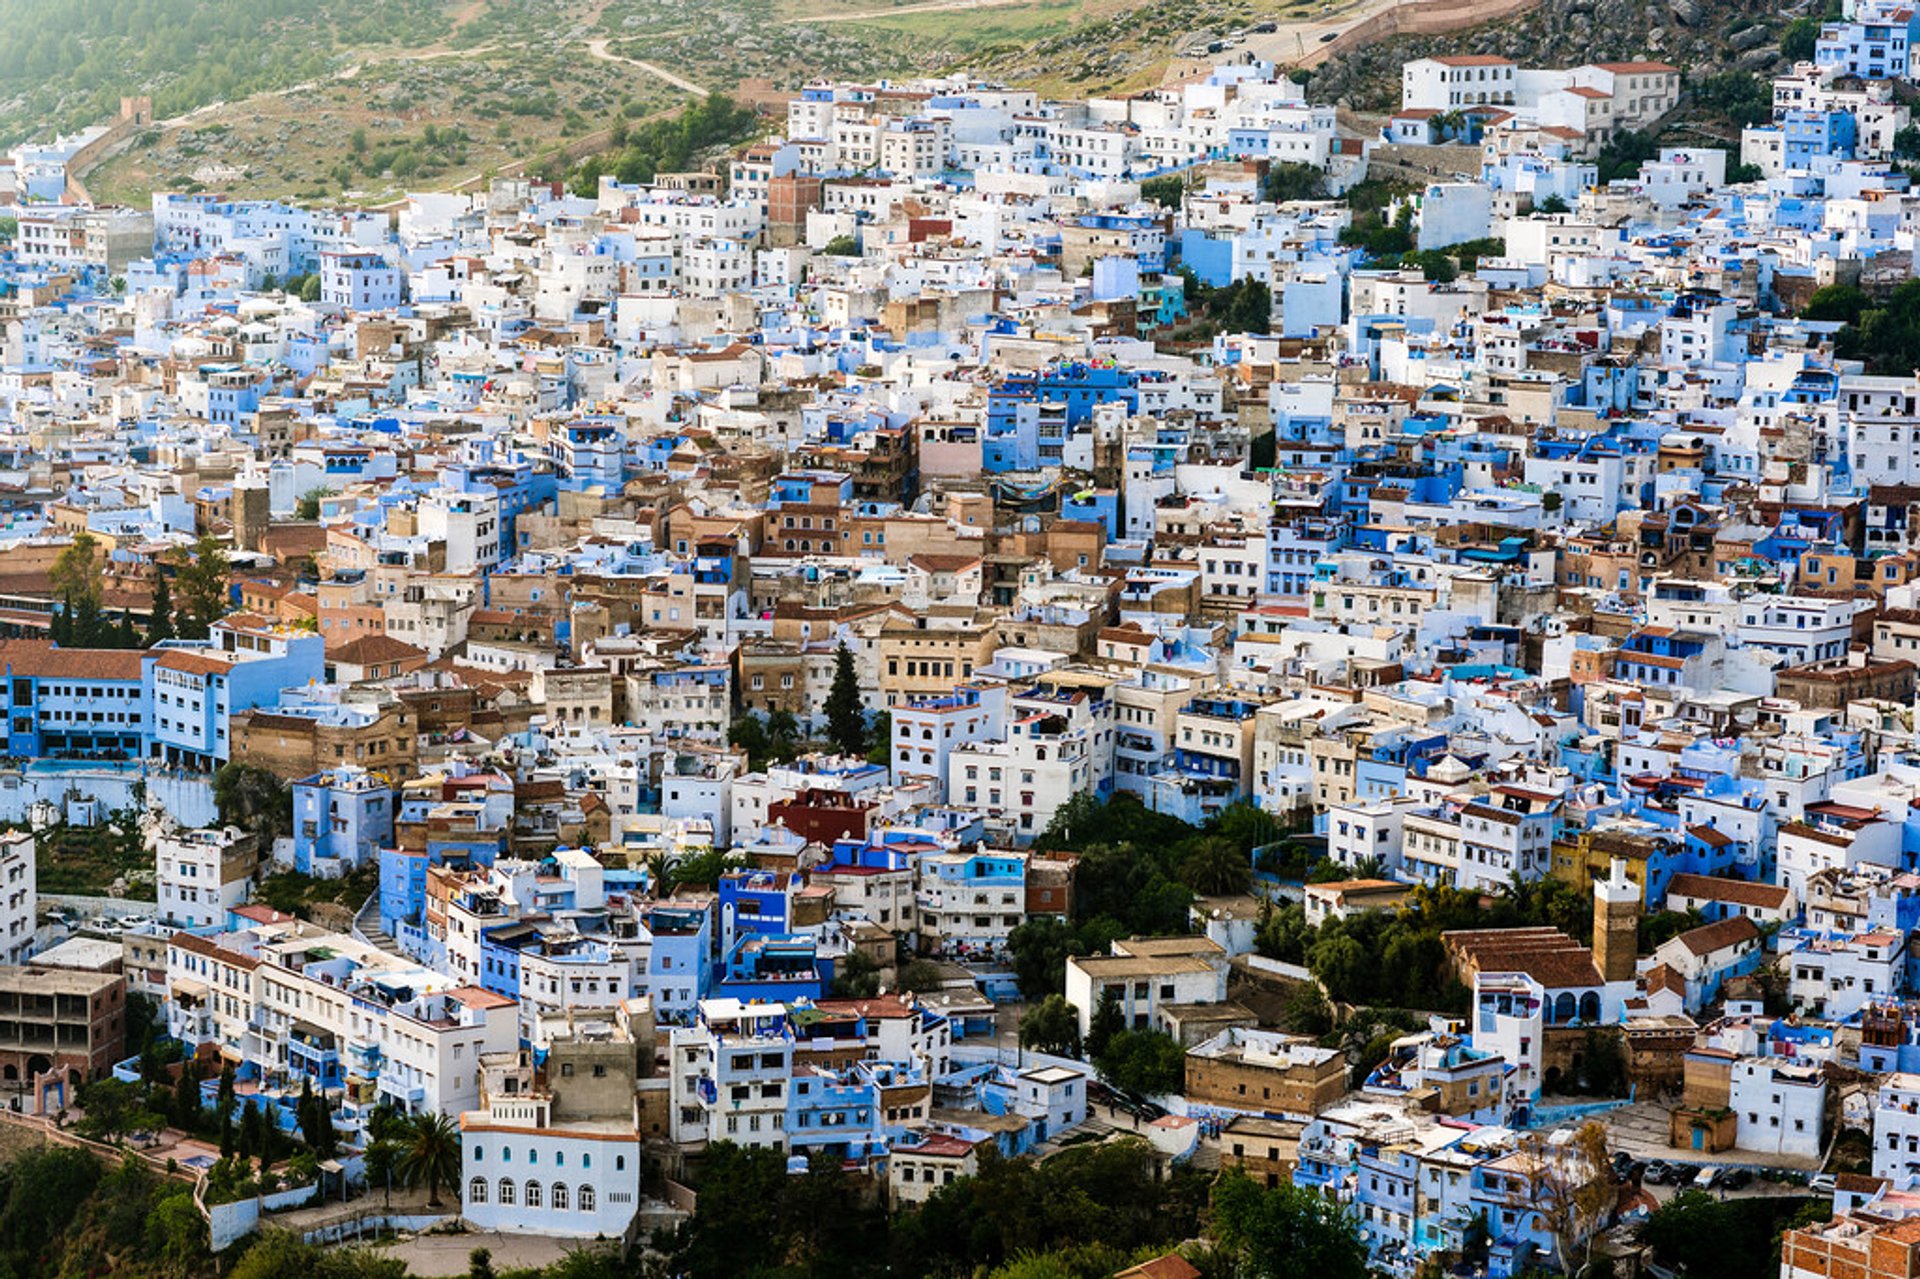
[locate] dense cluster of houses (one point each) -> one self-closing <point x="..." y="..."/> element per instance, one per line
<point x="554" y="520"/>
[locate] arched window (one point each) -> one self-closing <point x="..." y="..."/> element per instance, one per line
<point x="477" y="1190"/>
<point x="506" y="1192"/>
<point x="1589" y="1007"/>
<point x="1563" y="1007"/>
<point x="559" y="1196"/>
<point x="586" y="1199"/>
<point x="533" y="1194"/>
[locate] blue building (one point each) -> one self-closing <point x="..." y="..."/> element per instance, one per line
<point x="73" y="703"/>
<point x="341" y="820"/>
<point x="191" y="691"/>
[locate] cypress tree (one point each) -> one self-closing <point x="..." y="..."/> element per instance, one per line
<point x="846" y="720"/>
<point x="160" y="627"/>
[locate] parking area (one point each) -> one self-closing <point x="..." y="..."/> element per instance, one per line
<point x="1641" y="1130"/>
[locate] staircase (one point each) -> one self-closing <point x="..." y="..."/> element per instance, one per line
<point x="367" y="927"/>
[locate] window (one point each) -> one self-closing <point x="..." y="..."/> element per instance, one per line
<point x="533" y="1194"/>
<point x="477" y="1190"/>
<point x="506" y="1191"/>
<point x="559" y="1196"/>
<point x="586" y="1199"/>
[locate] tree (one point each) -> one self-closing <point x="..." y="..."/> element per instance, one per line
<point x="846" y="718"/>
<point x="1283" y="1232"/>
<point x="842" y="246"/>
<point x="1551" y="205"/>
<point x="1051" y="1026"/>
<point x="921" y="976"/>
<point x="1038" y="949"/>
<point x="1887" y="335"/>
<point x="308" y="507"/>
<point x="1701" y="1237"/>
<point x="1164" y="191"/>
<point x="1741" y="97"/>
<point x="430" y="1155"/>
<point x="1143" y="1061"/>
<point x="480" y="1264"/>
<point x="748" y="734"/>
<point x="75" y="578"/>
<point x="857" y="976"/>
<point x="186" y="1095"/>
<point x="1216" y="867"/>
<point x="1571" y="1187"/>
<point x="223" y="1107"/>
<point x="1842" y="302"/>
<point x="382" y="1162"/>
<point x="1108" y="1020"/>
<point x="783" y="734"/>
<point x="201" y="578"/>
<point x="1285" y="182"/>
<point x="250" y="797"/>
<point x="880" y="740"/>
<point x="1798" y="40"/>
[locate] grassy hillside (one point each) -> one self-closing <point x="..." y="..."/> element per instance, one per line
<point x="65" y="63"/>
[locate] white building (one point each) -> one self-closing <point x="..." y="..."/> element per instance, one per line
<point x="200" y="875"/>
<point x="1896" y="1128"/>
<point x="555" y="1152"/>
<point x="1464" y="80"/>
<point x="19" y="896"/>
<point x="1778" y="1106"/>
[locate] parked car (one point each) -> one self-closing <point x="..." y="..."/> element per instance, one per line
<point x="1737" y="1179"/>
<point x="1657" y="1173"/>
<point x="1822" y="1185"/>
<point x="1331" y="35"/>
<point x="1706" y="1179"/>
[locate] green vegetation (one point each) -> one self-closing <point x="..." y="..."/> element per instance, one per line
<point x="668" y="145"/>
<point x="1244" y="306"/>
<point x="1275" y="1234"/>
<point x="1887" y="334"/>
<point x="846" y="717"/>
<point x="1624" y="153"/>
<point x="65" y="63"/>
<point x="64" y="1213"/>
<point x="1137" y="875"/>
<point x="255" y="800"/>
<point x="1051" y="1026"/>
<point x="774" y="739"/>
<point x="1164" y="191"/>
<point x="1736" y="96"/>
<point x="1705" y="1238"/>
<point x="293" y="893"/>
<point x="841" y="246"/>
<point x="1797" y="41"/>
<point x="1845" y="303"/>
<point x="1286" y="182"/>
<point x="308" y="507"/>
<point x="91" y="861"/>
<point x="1396" y="958"/>
<point x="200" y="580"/>
<point x="1143" y="1061"/>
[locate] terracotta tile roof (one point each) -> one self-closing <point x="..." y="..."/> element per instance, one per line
<point x="374" y="648"/>
<point x="1737" y="891"/>
<point x="1719" y="936"/>
<point x="41" y="659"/>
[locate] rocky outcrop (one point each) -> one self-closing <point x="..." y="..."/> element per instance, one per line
<point x="1699" y="36"/>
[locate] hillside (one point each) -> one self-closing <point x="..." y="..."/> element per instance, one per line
<point x="320" y="99"/>
<point x="1699" y="36"/>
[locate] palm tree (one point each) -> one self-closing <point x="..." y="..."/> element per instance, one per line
<point x="430" y="1154"/>
<point x="1216" y="867"/>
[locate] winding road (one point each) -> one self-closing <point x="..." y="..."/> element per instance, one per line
<point x="598" y="48"/>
